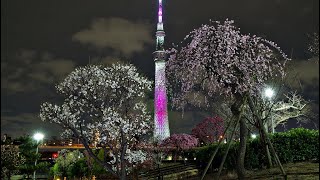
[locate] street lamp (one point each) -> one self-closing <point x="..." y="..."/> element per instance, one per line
<point x="253" y="136"/>
<point x="269" y="93"/>
<point x="38" y="137"/>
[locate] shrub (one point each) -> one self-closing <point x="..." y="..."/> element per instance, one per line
<point x="297" y="145"/>
<point x="294" y="145"/>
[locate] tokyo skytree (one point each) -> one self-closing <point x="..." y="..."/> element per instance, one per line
<point x="160" y="95"/>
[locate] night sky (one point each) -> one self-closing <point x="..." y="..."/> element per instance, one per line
<point x="42" y="41"/>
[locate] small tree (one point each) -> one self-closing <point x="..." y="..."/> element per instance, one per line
<point x="278" y="112"/>
<point x="209" y="130"/>
<point x="11" y="159"/>
<point x="293" y="106"/>
<point x="28" y="149"/>
<point x="179" y="143"/>
<point x="104" y="105"/>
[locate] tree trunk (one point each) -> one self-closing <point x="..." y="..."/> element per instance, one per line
<point x="265" y="147"/>
<point x="9" y="175"/>
<point x="241" y="171"/>
<point x="124" y="145"/>
<point x="275" y="156"/>
<point x="263" y="130"/>
<point x="123" y="177"/>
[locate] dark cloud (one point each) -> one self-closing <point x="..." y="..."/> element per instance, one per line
<point x="304" y="74"/>
<point x="303" y="77"/>
<point x="105" y="60"/>
<point x="56" y="36"/>
<point x="116" y="33"/>
<point x="29" y="70"/>
<point x="26" y="123"/>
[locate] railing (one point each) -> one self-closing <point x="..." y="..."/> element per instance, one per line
<point x="74" y="146"/>
<point x="161" y="172"/>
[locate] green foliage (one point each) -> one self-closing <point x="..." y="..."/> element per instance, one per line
<point x="78" y="169"/>
<point x="295" y="145"/>
<point x="93" y="167"/>
<point x="43" y="167"/>
<point x="70" y="164"/>
<point x="203" y="155"/>
<point x="97" y="168"/>
<point x="56" y="170"/>
<point x="255" y="156"/>
<point x="28" y="149"/>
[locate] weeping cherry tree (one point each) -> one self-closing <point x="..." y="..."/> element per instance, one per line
<point x="218" y="59"/>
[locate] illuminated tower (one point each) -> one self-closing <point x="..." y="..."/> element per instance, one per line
<point x="160" y="96"/>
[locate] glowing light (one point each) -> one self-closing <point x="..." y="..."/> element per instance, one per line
<point x="161" y="118"/>
<point x="160" y="95"/>
<point x="253" y="136"/>
<point x="38" y="136"/>
<point x="269" y="93"/>
<point x="160" y="12"/>
<point x="54" y="155"/>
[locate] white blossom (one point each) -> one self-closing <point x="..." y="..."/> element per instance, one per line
<point x="105" y="106"/>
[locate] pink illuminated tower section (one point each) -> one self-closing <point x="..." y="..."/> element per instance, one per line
<point x="160" y="96"/>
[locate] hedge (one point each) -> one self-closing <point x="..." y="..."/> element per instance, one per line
<point x="297" y="144"/>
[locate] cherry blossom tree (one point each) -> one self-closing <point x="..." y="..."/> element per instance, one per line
<point x="217" y="58"/>
<point x="105" y="105"/>
<point x="11" y="160"/>
<point x="209" y="130"/>
<point x="179" y="143"/>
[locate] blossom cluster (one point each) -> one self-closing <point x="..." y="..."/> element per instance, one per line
<point x="180" y="141"/>
<point x="218" y="59"/>
<point x="105" y="106"/>
<point x="209" y="130"/>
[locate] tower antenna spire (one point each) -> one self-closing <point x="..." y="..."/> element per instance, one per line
<point x="160" y="95"/>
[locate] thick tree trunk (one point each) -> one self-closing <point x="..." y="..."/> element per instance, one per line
<point x="241" y="171"/>
<point x="237" y="110"/>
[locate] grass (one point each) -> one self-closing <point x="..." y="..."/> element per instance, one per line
<point x="300" y="170"/>
<point x="180" y="175"/>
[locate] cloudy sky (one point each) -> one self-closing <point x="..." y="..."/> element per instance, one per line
<point x="42" y="41"/>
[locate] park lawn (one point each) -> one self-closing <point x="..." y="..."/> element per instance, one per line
<point x="299" y="170"/>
